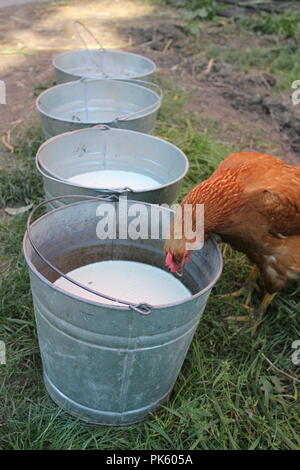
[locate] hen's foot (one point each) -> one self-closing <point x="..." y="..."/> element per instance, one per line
<point x="250" y="281"/>
<point x="260" y="311"/>
<point x="243" y="318"/>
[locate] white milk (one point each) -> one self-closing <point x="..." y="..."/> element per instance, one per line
<point x="113" y="179"/>
<point x="125" y="280"/>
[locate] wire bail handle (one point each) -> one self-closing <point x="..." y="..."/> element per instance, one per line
<point x="106" y="76"/>
<point x="146" y="84"/>
<point x="77" y="23"/>
<point x="54" y="177"/>
<point x="75" y="26"/>
<point x="141" y="308"/>
<point x="117" y="191"/>
<point x="124" y="117"/>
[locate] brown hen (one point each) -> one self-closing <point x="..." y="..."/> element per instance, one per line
<point x="252" y="201"/>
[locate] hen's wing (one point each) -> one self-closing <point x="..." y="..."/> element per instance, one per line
<point x="271" y="189"/>
<point x="280" y="210"/>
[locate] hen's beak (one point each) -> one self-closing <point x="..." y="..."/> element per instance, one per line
<point x="179" y="272"/>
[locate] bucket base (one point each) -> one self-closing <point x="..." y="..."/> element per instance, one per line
<point x="102" y="418"/>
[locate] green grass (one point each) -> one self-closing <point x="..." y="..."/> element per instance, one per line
<point x="277" y="59"/>
<point x="284" y="26"/>
<point x="22" y="186"/>
<point x="21" y="51"/>
<point x="261" y="42"/>
<point x="279" y="55"/>
<point x="244" y="39"/>
<point x="204" y="150"/>
<point x="226" y="396"/>
<point x="193" y="9"/>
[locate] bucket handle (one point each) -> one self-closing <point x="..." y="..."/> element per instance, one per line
<point x="53" y="177"/>
<point x="124" y="117"/>
<point x="141" y="308"/>
<point x="146" y="84"/>
<point x="75" y="26"/>
<point x="81" y="38"/>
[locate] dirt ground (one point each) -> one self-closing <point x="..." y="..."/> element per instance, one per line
<point x="31" y="34"/>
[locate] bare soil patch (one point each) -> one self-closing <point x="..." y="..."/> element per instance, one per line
<point x="32" y="34"/>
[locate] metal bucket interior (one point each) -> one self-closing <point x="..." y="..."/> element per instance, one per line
<point x="85" y="103"/>
<point x="109" y="364"/>
<point x="101" y="63"/>
<point x="104" y="148"/>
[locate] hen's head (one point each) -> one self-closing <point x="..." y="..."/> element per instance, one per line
<point x="176" y="264"/>
<point x="176" y="255"/>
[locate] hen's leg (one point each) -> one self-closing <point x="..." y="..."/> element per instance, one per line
<point x="250" y="280"/>
<point x="259" y="312"/>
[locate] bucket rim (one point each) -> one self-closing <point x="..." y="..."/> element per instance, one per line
<point x="146" y="59"/>
<point x="41" y="169"/>
<point x="105" y="305"/>
<point x="129" y="83"/>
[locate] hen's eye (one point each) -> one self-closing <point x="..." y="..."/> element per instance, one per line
<point x="177" y="259"/>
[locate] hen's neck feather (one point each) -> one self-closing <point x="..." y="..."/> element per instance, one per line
<point x="221" y="196"/>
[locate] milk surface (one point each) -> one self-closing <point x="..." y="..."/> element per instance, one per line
<point x="125" y="280"/>
<point x="114" y="179"/>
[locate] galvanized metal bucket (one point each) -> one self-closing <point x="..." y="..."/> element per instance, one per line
<point x="109" y="364"/>
<point x="104" y="148"/>
<point x="97" y="63"/>
<point x="100" y="63"/>
<point x="87" y="102"/>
